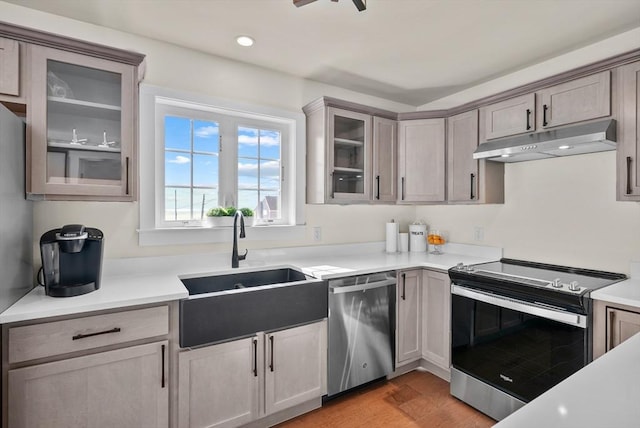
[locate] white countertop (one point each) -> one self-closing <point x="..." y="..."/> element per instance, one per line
<point x="137" y="281"/>
<point x="624" y="293"/>
<point x="606" y="393"/>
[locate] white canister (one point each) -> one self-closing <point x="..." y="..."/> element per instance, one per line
<point x="418" y="238"/>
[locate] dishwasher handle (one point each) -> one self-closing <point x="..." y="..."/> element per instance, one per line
<point x="361" y="287"/>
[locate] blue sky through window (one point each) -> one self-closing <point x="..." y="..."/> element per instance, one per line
<point x="192" y="161"/>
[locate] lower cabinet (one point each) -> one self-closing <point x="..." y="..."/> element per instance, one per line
<point x="408" y="323"/>
<point x="613" y="324"/>
<point x="122" y="388"/>
<point x="436" y="318"/>
<point x="234" y="383"/>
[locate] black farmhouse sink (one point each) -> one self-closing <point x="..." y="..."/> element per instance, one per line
<point x="233" y="305"/>
<point x="240" y="280"/>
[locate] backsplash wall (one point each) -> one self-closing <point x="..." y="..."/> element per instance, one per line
<point x="561" y="211"/>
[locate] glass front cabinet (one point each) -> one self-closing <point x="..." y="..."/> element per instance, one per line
<point x="349" y="138"/>
<point x="82" y="127"/>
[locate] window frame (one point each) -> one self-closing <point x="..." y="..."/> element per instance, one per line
<point x="154" y="103"/>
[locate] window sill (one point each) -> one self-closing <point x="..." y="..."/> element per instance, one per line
<point x="209" y="235"/>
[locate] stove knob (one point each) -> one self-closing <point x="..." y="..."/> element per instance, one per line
<point x="556" y="283"/>
<point x="573" y="286"/>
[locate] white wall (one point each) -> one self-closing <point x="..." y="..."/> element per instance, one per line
<point x="561" y="211"/>
<point x="557" y="210"/>
<point x="187" y="70"/>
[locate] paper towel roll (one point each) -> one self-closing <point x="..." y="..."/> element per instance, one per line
<point x="392" y="237"/>
<point x="404" y="242"/>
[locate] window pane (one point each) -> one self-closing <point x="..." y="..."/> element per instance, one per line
<point x="247" y="174"/>
<point x="210" y="201"/>
<point x="205" y="170"/>
<point x="248" y="199"/>
<point x="269" y="206"/>
<point x="206" y="136"/>
<point x="270" y="175"/>
<point x="177" y="169"/>
<point x="247" y="142"/>
<point x="177" y="204"/>
<point x="269" y="144"/>
<point x="177" y="133"/>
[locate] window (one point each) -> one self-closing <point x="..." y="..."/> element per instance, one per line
<point x="191" y="168"/>
<point x="211" y="153"/>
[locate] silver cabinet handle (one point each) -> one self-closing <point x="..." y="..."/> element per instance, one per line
<point x="361" y="287"/>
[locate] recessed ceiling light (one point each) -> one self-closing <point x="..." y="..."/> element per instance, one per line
<point x="505" y="156"/>
<point x="564" y="147"/>
<point x="244" y="41"/>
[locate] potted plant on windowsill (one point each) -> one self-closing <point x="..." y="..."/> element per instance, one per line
<point x="223" y="216"/>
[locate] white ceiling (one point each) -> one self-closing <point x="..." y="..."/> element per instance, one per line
<point x="409" y="51"/>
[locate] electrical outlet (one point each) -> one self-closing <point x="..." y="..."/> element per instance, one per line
<point x="478" y="233"/>
<point x="317" y="233"/>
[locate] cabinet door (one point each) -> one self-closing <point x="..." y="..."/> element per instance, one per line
<point x="295" y="366"/>
<point x="9" y="67"/>
<point x="408" y="319"/>
<point x="82" y="124"/>
<point x="436" y="318"/>
<point x="575" y="101"/>
<point x="385" y="135"/>
<point x="122" y="388"/>
<point x="462" y="140"/>
<point x="349" y="152"/>
<point x="510" y="117"/>
<point x="218" y="385"/>
<point x="628" y="152"/>
<point x="621" y="325"/>
<point x="421" y="161"/>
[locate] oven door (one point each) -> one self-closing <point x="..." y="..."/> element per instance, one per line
<point x="520" y="348"/>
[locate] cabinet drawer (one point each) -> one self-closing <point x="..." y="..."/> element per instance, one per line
<point x="78" y="334"/>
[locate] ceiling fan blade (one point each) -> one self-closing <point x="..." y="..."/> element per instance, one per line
<point x="299" y="3"/>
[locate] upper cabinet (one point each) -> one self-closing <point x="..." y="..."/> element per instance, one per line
<point x="578" y="100"/>
<point x="421" y="160"/>
<point x="510" y="117"/>
<point x="628" y="154"/>
<point x="82" y="116"/>
<point x="575" y="101"/>
<point x="385" y="149"/>
<point x="351" y="155"/>
<point x="9" y="67"/>
<point x="470" y="180"/>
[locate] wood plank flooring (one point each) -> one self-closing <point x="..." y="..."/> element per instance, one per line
<point x="416" y="399"/>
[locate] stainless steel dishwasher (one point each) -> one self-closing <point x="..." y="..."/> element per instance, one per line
<point x="361" y="330"/>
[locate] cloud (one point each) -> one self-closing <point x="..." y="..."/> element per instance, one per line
<point x="268" y="169"/>
<point x="180" y="160"/>
<point x="267" y="138"/>
<point x="206" y="131"/>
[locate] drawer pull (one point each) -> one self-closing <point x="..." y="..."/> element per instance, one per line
<point x="84" y="336"/>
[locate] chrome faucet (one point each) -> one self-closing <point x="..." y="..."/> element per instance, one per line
<point x="235" y="258"/>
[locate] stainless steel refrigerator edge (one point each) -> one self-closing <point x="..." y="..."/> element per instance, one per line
<point x="16" y="214"/>
<point x="361" y="330"/>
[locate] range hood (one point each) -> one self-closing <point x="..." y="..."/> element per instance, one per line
<point x="571" y="140"/>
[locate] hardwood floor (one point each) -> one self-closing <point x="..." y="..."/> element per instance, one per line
<point x="416" y="399"/>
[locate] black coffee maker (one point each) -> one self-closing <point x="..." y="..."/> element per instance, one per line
<point x="71" y="260"/>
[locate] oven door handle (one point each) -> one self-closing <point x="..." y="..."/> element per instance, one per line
<point x="361" y="287"/>
<point x="575" y="320"/>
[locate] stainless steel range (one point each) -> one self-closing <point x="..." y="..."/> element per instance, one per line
<point x="518" y="328"/>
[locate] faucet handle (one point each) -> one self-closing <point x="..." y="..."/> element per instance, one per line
<point x="244" y="256"/>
